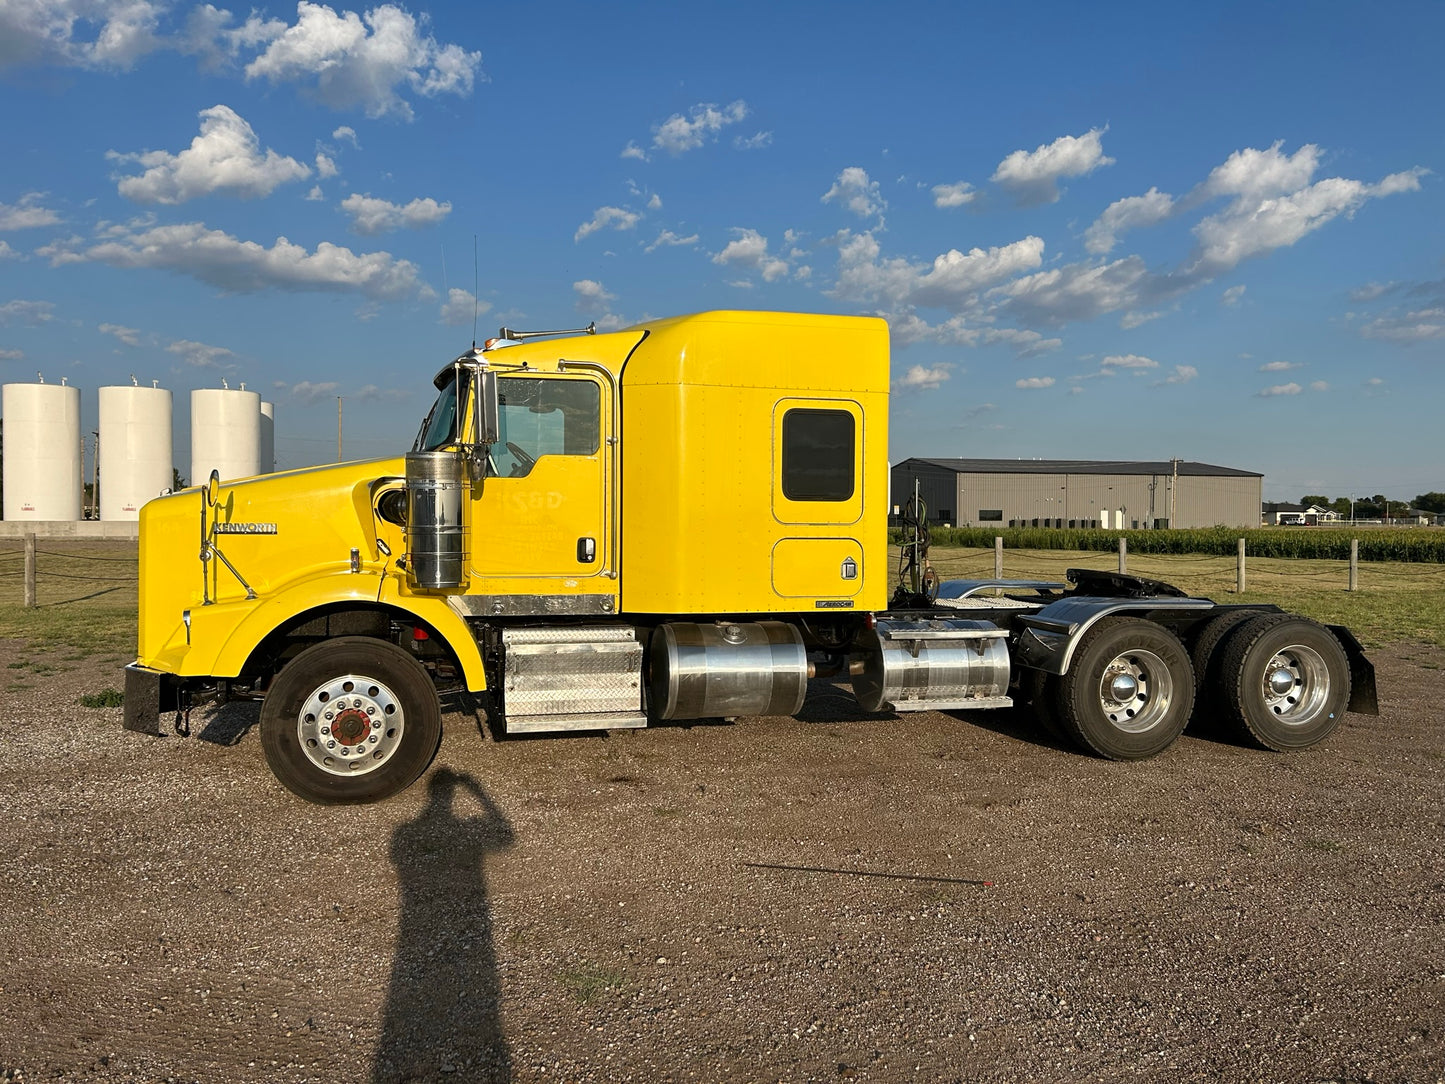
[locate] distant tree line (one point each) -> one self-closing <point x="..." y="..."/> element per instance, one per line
<point x="1377" y="506"/>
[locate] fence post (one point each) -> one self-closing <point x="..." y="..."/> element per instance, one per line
<point x="998" y="557"/>
<point x="1123" y="555"/>
<point x="1239" y="577"/>
<point x="29" y="571"/>
<point x="1354" y="564"/>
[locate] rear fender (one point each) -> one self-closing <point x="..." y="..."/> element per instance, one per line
<point x="1364" y="698"/>
<point x="1047" y="639"/>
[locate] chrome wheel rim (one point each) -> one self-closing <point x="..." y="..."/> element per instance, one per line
<point x="351" y="725"/>
<point x="1135" y="691"/>
<point x="1295" y="685"/>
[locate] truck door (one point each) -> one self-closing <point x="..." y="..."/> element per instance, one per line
<point x="541" y="541"/>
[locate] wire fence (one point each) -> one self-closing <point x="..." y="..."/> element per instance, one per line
<point x="60" y="573"/>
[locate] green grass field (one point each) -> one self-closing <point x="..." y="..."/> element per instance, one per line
<point x="85" y="593"/>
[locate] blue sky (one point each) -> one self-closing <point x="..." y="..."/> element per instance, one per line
<point x="1131" y="231"/>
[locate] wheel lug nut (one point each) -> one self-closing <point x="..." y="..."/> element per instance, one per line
<point x="371" y="710"/>
<point x="326" y="730"/>
<point x="331" y="745"/>
<point x="331" y="715"/>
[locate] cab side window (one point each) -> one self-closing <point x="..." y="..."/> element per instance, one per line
<point x="818" y="455"/>
<point x="544" y="416"/>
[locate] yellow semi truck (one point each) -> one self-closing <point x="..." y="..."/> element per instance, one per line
<point x="684" y="519"/>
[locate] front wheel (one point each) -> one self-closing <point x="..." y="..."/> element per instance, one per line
<point x="352" y="719"/>
<point x="1129" y="689"/>
<point x="1285" y="681"/>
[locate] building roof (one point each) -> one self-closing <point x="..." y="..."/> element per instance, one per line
<point x="1187" y="468"/>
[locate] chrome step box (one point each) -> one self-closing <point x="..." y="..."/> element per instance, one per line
<point x="568" y="678"/>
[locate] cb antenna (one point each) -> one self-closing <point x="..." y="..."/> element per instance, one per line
<point x="476" y="285"/>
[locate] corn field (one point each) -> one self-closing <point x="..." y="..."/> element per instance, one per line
<point x="1408" y="544"/>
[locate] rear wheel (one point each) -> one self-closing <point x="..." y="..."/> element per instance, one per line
<point x="352" y="719"/>
<point x="1128" y="691"/>
<point x="1284" y="681"/>
<point x="1206" y="654"/>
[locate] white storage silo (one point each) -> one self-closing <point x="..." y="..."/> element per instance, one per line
<point x="225" y="434"/>
<point x="42" y="451"/>
<point x="135" y="449"/>
<point x="268" y="437"/>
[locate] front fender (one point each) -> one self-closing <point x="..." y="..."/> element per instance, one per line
<point x="258" y="619"/>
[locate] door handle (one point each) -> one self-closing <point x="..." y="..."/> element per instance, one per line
<point x="586" y="550"/>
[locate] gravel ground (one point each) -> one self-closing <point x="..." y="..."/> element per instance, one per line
<point x="604" y="908"/>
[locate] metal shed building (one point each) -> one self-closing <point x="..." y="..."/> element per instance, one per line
<point x="1079" y="493"/>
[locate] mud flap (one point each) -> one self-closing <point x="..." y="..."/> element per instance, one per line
<point x="1364" y="700"/>
<point x="147" y="694"/>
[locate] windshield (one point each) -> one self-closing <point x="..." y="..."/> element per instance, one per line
<point x="440" y="427"/>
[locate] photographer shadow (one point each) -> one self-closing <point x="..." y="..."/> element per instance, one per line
<point x="443" y="1007"/>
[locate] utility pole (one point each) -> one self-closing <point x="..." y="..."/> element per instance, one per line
<point x="338" y="429"/>
<point x="1173" y="488"/>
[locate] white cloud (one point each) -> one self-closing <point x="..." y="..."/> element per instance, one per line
<point x="346" y="134"/>
<point x="27" y="213"/>
<point x="202" y="356"/>
<point x="370" y="393"/>
<point x="632" y="150"/>
<point x="591" y="295"/>
<point x="325" y="166"/>
<point x="1128" y="361"/>
<point x="1319" y="385"/>
<point x="307" y="392"/>
<point x="953" y="195"/>
<point x="1279" y="389"/>
<point x="654" y="203"/>
<point x="1031" y="382"/>
<point x="1131" y="320"/>
<point x="1372" y="291"/>
<point x="753" y="142"/>
<point x="667" y="238"/>
<point x="315" y="195"/>
<point x="8" y="253"/>
<point x="1077" y="291"/>
<point x="615" y="218"/>
<point x="36" y="32"/>
<point x="1132" y="212"/>
<point x="1256" y="175"/>
<point x="1249" y="228"/>
<point x="951" y="282"/>
<point x="365" y="61"/>
<point x="1232" y="295"/>
<point x="924" y="378"/>
<point x="370" y="216"/>
<point x="1025" y="344"/>
<point x="1409" y="327"/>
<point x="243" y="266"/>
<point x="226" y="157"/>
<point x="856" y="192"/>
<point x="30" y="313"/>
<point x="750" y="249"/>
<point x="1033" y="176"/>
<point x="128" y="335"/>
<point x="680" y="133"/>
<point x="1280" y="366"/>
<point x="1182" y="374"/>
<point x="7" y="354"/>
<point x="462" y="307"/>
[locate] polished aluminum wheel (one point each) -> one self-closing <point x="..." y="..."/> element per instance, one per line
<point x="1135" y="691"/>
<point x="1296" y="684"/>
<point x="351" y="725"/>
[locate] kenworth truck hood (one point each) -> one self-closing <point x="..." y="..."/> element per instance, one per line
<point x="276" y="531"/>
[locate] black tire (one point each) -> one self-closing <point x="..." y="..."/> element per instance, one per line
<point x="386" y="727"/>
<point x="1205" y="655"/>
<point x="1285" y="681"/>
<point x="1129" y="689"/>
